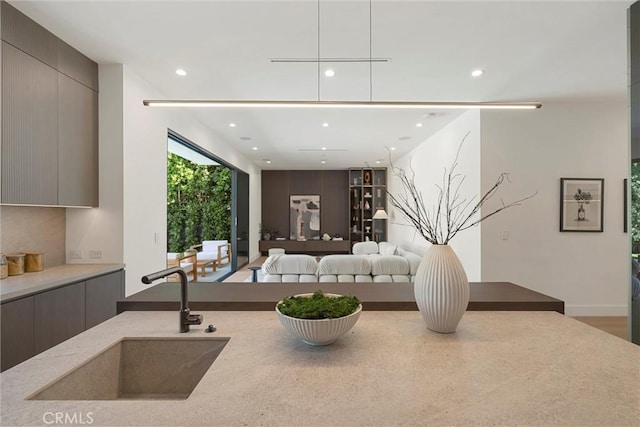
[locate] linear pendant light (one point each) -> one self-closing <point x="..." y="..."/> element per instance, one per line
<point x="370" y="104"/>
<point x="340" y="104"/>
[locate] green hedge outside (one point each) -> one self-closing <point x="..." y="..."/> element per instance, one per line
<point x="198" y="203"/>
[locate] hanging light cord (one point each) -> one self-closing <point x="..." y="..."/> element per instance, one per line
<point x="318" y="50"/>
<point x="370" y="59"/>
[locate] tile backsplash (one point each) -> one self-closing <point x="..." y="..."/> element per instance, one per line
<point x="26" y="228"/>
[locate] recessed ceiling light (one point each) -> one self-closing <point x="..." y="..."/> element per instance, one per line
<point x="418" y="125"/>
<point x="324" y="148"/>
<point x="267" y="161"/>
<point x="323" y="162"/>
<point x="392" y="148"/>
<point x="477" y="73"/>
<point x="232" y="125"/>
<point x="325" y="125"/>
<point x="255" y="148"/>
<point x="377" y="162"/>
<point x="181" y="72"/>
<point x="329" y="72"/>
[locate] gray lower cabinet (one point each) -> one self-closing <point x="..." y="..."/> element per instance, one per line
<point x="17" y="332"/>
<point x="59" y="315"/>
<point x="33" y="324"/>
<point x="102" y="295"/>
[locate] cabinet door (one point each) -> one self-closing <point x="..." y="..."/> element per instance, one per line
<point x="102" y="294"/>
<point x="59" y="315"/>
<point x="77" y="144"/>
<point x="17" y="332"/>
<point x="29" y="129"/>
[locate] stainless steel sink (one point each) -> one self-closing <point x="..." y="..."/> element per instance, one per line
<point x="138" y="368"/>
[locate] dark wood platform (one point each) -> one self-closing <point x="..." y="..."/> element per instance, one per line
<point x="488" y="296"/>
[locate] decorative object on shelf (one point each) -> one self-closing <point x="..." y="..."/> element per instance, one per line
<point x="367" y="205"/>
<point x="441" y="286"/>
<point x="367" y="177"/>
<point x="318" y="318"/>
<point x="581" y="204"/>
<point x="326" y="237"/>
<point x="304" y="218"/>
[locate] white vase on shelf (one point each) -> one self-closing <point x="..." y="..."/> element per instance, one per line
<point x="441" y="289"/>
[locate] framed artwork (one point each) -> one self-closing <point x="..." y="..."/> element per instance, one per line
<point x="581" y="204"/>
<point x="304" y="217"/>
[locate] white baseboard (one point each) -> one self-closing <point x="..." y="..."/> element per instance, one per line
<point x="595" y="310"/>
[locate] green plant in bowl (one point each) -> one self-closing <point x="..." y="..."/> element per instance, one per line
<point x="318" y="306"/>
<point x="319" y="318"/>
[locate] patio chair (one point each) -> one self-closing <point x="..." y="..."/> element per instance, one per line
<point x="187" y="262"/>
<point x="214" y="250"/>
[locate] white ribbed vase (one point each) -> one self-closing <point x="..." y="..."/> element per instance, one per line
<point x="441" y="289"/>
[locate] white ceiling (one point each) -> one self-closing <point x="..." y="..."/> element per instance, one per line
<point x="530" y="51"/>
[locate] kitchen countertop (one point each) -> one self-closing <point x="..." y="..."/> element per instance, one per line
<point x="499" y="368"/>
<point x="14" y="287"/>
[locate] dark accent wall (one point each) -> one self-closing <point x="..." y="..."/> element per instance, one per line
<point x="331" y="185"/>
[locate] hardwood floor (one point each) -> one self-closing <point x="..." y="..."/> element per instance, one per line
<point x="614" y="325"/>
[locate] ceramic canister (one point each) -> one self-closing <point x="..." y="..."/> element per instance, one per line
<point x="16" y="264"/>
<point x="4" y="268"/>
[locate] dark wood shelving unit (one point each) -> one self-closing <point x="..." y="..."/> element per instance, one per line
<point x="367" y="194"/>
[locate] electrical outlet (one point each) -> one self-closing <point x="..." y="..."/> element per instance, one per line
<point x="95" y="254"/>
<point x="75" y="254"/>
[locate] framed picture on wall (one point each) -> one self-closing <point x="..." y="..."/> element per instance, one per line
<point x="304" y="217"/>
<point x="581" y="204"/>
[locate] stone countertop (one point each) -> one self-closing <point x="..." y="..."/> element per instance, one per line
<point x="499" y="368"/>
<point x="26" y="284"/>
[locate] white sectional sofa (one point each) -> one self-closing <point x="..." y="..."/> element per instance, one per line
<point x="290" y="268"/>
<point x="345" y="269"/>
<point x="371" y="262"/>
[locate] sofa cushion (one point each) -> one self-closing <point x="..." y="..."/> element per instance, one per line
<point x="414" y="261"/>
<point x="389" y="264"/>
<point x="386" y="248"/>
<point x="290" y="264"/>
<point x="344" y="264"/>
<point x="365" y="248"/>
<point x="392" y="278"/>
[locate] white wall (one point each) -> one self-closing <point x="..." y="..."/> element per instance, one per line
<point x="102" y="228"/>
<point x="428" y="161"/>
<point x="145" y="177"/>
<point x="589" y="271"/>
<point x="130" y="225"/>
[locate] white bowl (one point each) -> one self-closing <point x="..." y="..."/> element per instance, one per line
<point x="319" y="331"/>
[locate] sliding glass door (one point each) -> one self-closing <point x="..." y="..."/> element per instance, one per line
<point x="207" y="210"/>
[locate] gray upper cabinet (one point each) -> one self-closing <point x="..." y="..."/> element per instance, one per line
<point x="25" y="34"/>
<point x="29" y="129"/>
<point x="77" y="144"/>
<point x="49" y="117"/>
<point x="77" y="66"/>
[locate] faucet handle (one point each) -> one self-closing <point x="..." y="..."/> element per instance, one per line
<point x="194" y="319"/>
